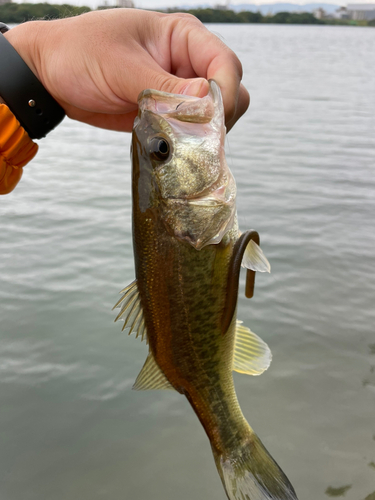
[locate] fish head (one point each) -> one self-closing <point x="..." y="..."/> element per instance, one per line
<point x="179" y="162"/>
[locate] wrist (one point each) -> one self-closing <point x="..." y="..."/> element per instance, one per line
<point x="26" y="39"/>
<point x="21" y="85"/>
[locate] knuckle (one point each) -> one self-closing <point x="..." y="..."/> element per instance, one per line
<point x="238" y="65"/>
<point x="165" y="83"/>
<point x="185" y="20"/>
<point x="230" y="111"/>
<point x="185" y="16"/>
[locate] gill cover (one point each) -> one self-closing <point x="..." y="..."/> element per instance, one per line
<point x="193" y="188"/>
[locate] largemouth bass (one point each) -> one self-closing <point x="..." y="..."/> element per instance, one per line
<point x="188" y="252"/>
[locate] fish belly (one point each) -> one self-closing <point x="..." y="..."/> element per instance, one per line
<point x="183" y="293"/>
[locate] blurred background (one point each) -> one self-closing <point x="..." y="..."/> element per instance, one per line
<point x="303" y="157"/>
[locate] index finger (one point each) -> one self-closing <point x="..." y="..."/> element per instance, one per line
<point x="193" y="45"/>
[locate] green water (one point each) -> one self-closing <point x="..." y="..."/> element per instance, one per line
<point x="304" y="161"/>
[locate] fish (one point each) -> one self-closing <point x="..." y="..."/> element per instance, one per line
<point x="188" y="253"/>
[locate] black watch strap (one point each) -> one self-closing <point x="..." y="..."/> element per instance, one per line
<point x="4" y="28"/>
<point x="29" y="101"/>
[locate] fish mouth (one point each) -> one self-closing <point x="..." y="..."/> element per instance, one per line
<point x="214" y="196"/>
<point x="204" y="202"/>
<point x="183" y="108"/>
<point x="219" y="196"/>
<point x="220" y="216"/>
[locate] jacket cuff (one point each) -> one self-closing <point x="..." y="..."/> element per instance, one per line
<point x="16" y="150"/>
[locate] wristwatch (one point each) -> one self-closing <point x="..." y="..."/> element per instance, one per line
<point x="36" y="110"/>
<point x="4" y="28"/>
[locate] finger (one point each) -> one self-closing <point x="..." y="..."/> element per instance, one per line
<point x="119" y="122"/>
<point x="147" y="74"/>
<point x="215" y="62"/>
<point x="243" y="103"/>
<point x="124" y="122"/>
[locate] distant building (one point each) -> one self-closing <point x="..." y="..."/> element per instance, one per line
<point x="222" y="6"/>
<point x="5" y="1"/>
<point x="105" y="5"/>
<point x="341" y="13"/>
<point x="361" y="11"/>
<point x="125" y="3"/>
<point x="108" y="4"/>
<point x="320" y="13"/>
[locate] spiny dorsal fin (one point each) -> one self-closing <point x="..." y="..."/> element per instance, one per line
<point x="254" y="258"/>
<point x="151" y="377"/>
<point x="251" y="354"/>
<point x="131" y="311"/>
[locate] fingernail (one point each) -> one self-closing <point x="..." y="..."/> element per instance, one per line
<point x="196" y="87"/>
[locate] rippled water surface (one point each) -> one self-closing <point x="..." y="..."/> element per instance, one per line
<point x="303" y="158"/>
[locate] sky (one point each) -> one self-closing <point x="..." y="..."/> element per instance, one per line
<point x="154" y="4"/>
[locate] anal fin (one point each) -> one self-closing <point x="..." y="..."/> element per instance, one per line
<point x="251" y="354"/>
<point x="151" y="376"/>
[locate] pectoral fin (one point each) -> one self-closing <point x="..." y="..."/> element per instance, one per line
<point x="251" y="354"/>
<point x="131" y="311"/>
<point x="151" y="377"/>
<point x="254" y="258"/>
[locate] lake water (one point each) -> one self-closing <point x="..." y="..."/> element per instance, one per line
<point x="304" y="160"/>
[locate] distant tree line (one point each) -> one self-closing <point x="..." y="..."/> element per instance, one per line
<point x="229" y="16"/>
<point x="21" y="12"/>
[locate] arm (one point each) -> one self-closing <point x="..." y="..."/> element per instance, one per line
<point x="96" y="64"/>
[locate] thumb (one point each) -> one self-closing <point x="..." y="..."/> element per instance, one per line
<point x="165" y="82"/>
<point x="196" y="87"/>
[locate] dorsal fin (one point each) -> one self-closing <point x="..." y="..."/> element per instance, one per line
<point x="251" y="354"/>
<point x="151" y="377"/>
<point x="131" y="311"/>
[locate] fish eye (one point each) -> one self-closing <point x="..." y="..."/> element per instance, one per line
<point x="159" y="148"/>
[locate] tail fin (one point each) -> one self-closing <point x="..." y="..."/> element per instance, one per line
<point x="252" y="474"/>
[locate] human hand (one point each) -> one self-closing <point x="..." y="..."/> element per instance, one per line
<point x="95" y="65"/>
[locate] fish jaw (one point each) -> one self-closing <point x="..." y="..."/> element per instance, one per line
<point x="192" y="189"/>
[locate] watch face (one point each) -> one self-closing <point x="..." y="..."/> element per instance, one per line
<point x="4" y="28"/>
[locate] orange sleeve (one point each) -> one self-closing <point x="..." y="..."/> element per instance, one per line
<point x="16" y="150"/>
